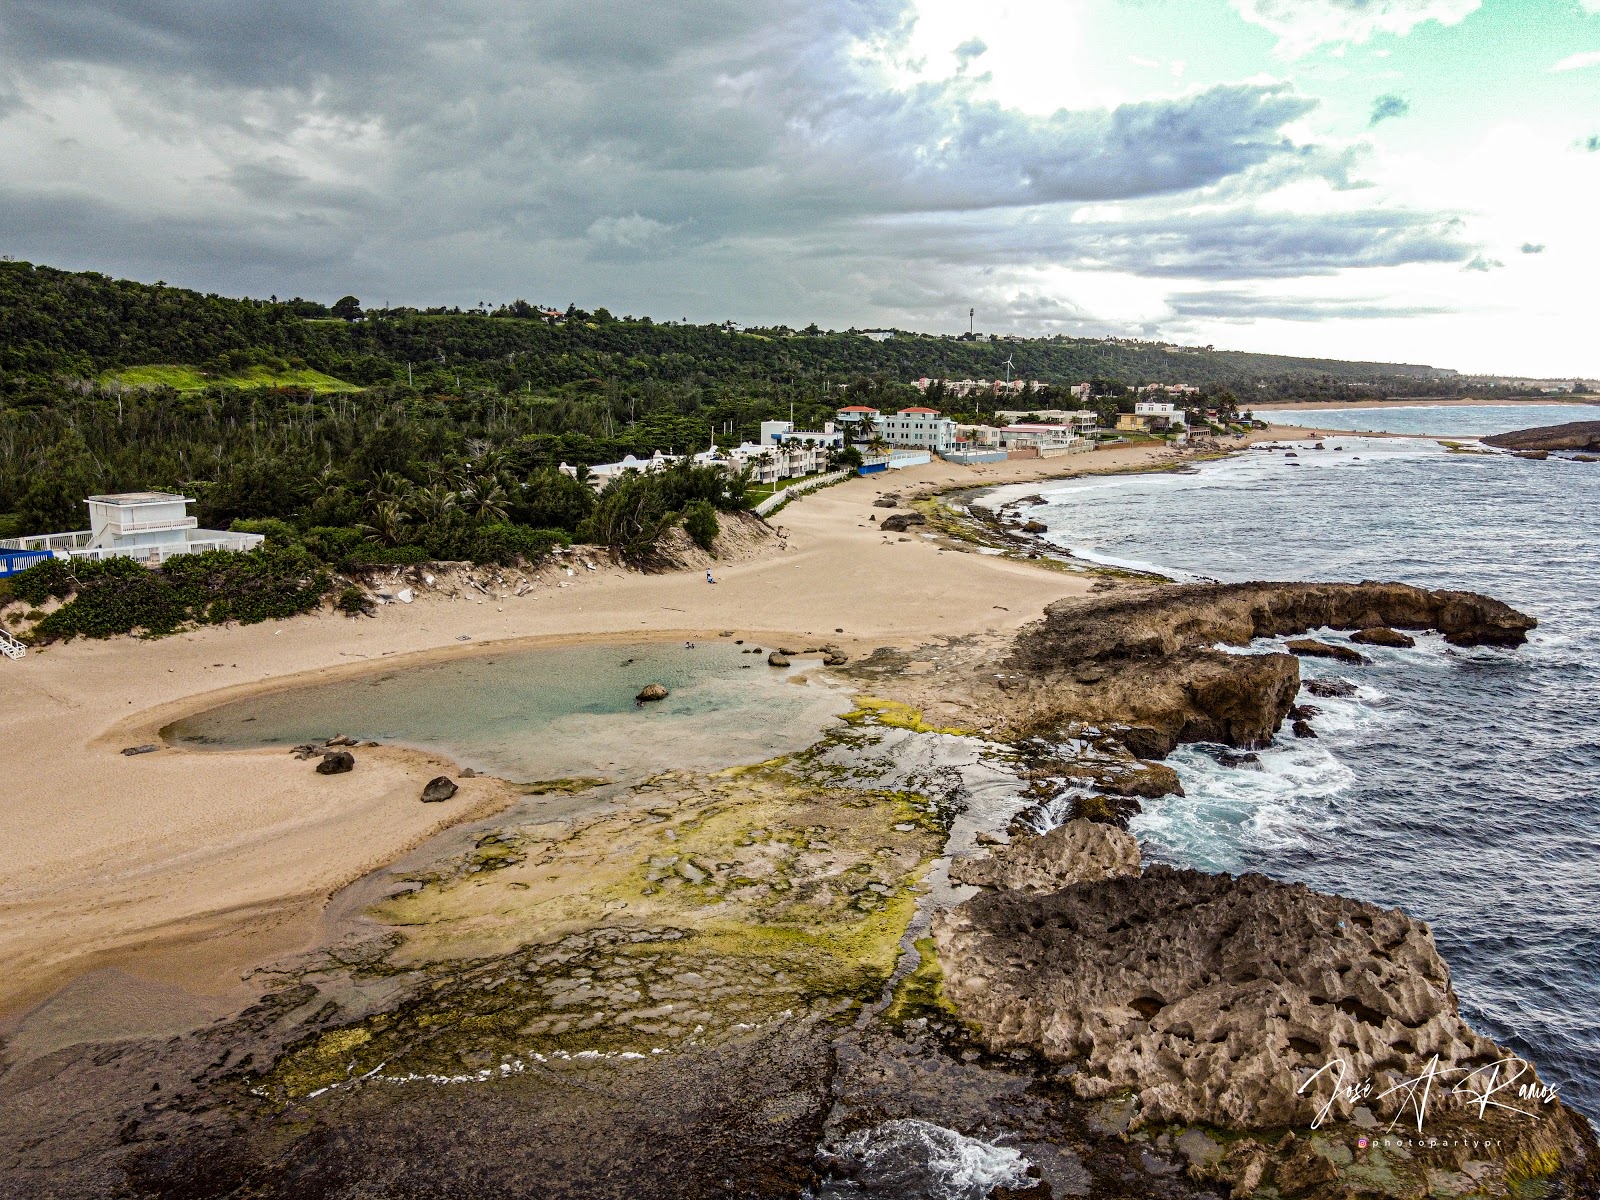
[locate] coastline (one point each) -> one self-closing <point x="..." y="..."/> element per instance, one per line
<point x="188" y="869"/>
<point x="1329" y="406"/>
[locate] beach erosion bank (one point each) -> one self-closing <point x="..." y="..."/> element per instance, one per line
<point x="188" y="869"/>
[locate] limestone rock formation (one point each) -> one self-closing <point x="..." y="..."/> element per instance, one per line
<point x="1575" y="435"/>
<point x="1076" y="852"/>
<point x="1148" y="661"/>
<point x="1211" y="998"/>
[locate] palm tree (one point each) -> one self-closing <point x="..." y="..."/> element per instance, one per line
<point x="484" y="499"/>
<point x="387" y="524"/>
<point x="430" y="505"/>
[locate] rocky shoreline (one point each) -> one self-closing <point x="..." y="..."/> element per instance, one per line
<point x="768" y="980"/>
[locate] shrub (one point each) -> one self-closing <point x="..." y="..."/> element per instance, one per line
<point x="119" y="595"/>
<point x="353" y="602"/>
<point x="330" y="543"/>
<point x="700" y="523"/>
<point x="279" y="533"/>
<point x="507" y="545"/>
<point x="366" y="554"/>
<point x="53" y="577"/>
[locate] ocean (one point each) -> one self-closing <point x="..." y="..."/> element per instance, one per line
<point x="1462" y="786"/>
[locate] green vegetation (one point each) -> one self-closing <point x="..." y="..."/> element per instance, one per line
<point x="120" y="595"/>
<point x="393" y="435"/>
<point x="193" y="379"/>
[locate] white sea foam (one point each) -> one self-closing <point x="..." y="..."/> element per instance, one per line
<point x="912" y="1158"/>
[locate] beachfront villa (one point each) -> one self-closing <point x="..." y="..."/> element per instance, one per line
<point x="1082" y="421"/>
<point x="1153" y="416"/>
<point x="1026" y="439"/>
<point x="150" y="527"/>
<point x="915" y="428"/>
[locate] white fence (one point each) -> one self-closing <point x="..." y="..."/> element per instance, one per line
<point x="800" y="489"/>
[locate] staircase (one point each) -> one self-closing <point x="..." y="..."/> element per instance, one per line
<point x="10" y="647"/>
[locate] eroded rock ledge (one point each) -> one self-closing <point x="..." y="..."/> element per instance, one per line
<point x="1146" y="660"/>
<point x="1179" y="998"/>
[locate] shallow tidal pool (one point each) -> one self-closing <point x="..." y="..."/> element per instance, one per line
<point x="548" y="713"/>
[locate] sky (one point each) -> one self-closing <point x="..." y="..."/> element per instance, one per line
<point x="1397" y="180"/>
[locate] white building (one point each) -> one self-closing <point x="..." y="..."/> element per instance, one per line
<point x="922" y="428"/>
<point x="1083" y="422"/>
<point x="149" y="526"/>
<point x="1158" y="414"/>
<point x="1028" y="435"/>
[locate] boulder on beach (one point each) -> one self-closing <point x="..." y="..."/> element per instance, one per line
<point x="652" y="691"/>
<point x="1036" y="527"/>
<point x="900" y="522"/>
<point x="336" y="762"/>
<point x="1311" y="648"/>
<point x="1076" y="852"/>
<point x="438" y="789"/>
<point x="777" y="659"/>
<point x="1382" y="635"/>
<point x="835" y="659"/>
<point x="147" y="748"/>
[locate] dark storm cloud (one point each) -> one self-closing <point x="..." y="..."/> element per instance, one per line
<point x="631" y="153"/>
<point x="1387" y="107"/>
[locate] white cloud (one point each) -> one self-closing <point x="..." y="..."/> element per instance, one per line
<point x="1303" y="25"/>
<point x="1576" y="62"/>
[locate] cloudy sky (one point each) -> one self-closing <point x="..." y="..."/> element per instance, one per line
<point x="1412" y="180"/>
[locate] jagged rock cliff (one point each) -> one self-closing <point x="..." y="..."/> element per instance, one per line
<point x="1146" y="660"/>
<point x="1076" y="852"/>
<point x="1575" y="435"/>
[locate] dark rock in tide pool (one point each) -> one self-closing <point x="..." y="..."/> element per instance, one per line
<point x="1311" y="648"/>
<point x="1381" y="635"/>
<point x="439" y="789"/>
<point x="1535" y="455"/>
<point x="336" y="762"/>
<point x="1330" y="688"/>
<point x="1227" y="758"/>
<point x="1302" y="729"/>
<point x="835" y="659"/>
<point x="651" y="692"/>
<point x="777" y="659"/>
<point x="148" y="748"/>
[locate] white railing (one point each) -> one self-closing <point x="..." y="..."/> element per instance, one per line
<point x="49" y="541"/>
<point x="800" y="489"/>
<point x="10" y="647"/>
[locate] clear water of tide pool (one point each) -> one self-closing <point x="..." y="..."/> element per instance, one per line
<point x="547" y="713"/>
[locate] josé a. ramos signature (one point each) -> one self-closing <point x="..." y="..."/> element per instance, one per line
<point x="1507" y="1085"/>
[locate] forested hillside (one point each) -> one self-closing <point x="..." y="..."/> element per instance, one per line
<point x="403" y="434"/>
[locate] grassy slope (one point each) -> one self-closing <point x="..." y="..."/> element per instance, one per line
<point x="193" y="379"/>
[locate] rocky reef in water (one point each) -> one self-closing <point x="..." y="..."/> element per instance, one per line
<point x="1145" y="661"/>
<point x="1575" y="435"/>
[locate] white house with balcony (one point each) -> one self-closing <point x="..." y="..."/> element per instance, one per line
<point x="922" y="428"/>
<point x="1082" y="422"/>
<point x="148" y="526"/>
<point x="1159" y="414"/>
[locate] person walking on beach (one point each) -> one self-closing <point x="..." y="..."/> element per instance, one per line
<point x="708" y="578"/>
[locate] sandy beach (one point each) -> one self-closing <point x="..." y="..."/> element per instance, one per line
<point x="188" y="869"/>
